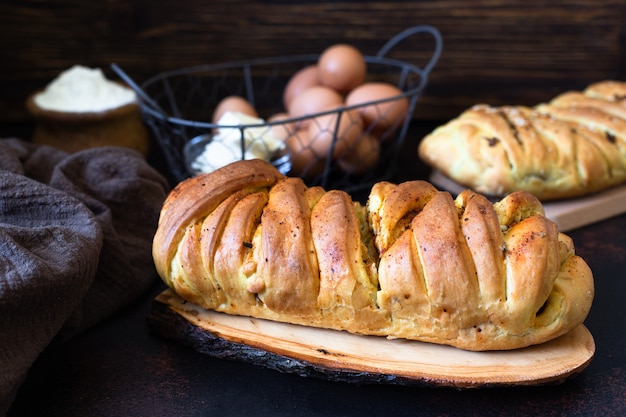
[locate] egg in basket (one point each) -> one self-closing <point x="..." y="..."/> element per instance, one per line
<point x="337" y="119"/>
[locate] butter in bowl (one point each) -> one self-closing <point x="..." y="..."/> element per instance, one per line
<point x="238" y="136"/>
<point x="82" y="109"/>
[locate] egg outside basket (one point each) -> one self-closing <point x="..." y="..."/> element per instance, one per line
<point x="178" y="105"/>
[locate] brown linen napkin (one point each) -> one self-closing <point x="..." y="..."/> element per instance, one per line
<point x="75" y="245"/>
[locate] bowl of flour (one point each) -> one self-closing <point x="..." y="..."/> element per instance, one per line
<point x="81" y="108"/>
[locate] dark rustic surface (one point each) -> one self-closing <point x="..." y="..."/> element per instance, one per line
<point x="121" y="368"/>
<point x="501" y="52"/>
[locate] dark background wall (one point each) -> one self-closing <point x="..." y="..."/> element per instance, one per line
<point x="500" y="52"/>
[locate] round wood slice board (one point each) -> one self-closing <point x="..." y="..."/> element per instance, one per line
<point x="339" y="355"/>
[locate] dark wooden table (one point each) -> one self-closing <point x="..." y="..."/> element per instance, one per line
<point x="120" y="368"/>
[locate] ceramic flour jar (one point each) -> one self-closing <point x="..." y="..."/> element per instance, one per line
<point x="82" y="109"/>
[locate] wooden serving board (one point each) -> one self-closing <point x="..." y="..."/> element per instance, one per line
<point x="567" y="214"/>
<point x="341" y="356"/>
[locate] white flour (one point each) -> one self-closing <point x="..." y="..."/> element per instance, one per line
<point x="82" y="89"/>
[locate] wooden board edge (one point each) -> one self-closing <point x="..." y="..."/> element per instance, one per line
<point x="167" y="321"/>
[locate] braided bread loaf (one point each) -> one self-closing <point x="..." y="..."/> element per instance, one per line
<point x="413" y="263"/>
<point x="573" y="146"/>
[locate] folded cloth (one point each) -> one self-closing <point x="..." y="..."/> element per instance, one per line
<point x="75" y="245"/>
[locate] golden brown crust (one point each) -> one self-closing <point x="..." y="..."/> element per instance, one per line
<point x="287" y="261"/>
<point x="572" y="146"/>
<point x="183" y="206"/>
<point x="413" y="263"/>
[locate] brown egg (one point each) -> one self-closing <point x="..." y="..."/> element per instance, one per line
<point x="322" y="132"/>
<point x="362" y="157"/>
<point x="233" y="104"/>
<point x="382" y="116"/>
<point x="314" y="100"/>
<point x="300" y="81"/>
<point x="342" y="67"/>
<point x="281" y="129"/>
<point x="305" y="163"/>
<point x="277" y="117"/>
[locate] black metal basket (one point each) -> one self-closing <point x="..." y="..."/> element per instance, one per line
<point x="178" y="105"/>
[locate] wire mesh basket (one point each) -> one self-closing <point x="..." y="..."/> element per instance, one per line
<point x="178" y="106"/>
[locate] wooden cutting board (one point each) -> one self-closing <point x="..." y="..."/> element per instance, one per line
<point x="567" y="214"/>
<point x="341" y="356"/>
